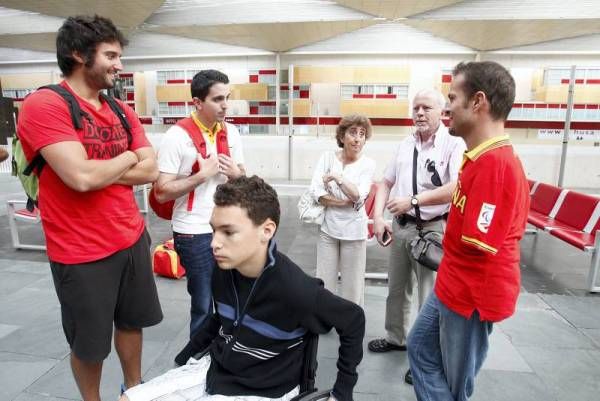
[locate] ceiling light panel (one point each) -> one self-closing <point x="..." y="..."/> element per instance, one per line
<point x="202" y="12"/>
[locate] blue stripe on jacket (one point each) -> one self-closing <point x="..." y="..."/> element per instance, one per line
<point x="262" y="328"/>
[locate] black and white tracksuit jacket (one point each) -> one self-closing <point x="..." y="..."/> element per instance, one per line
<point x="257" y="342"/>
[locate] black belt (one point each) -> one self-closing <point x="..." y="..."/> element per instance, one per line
<point x="404" y="219"/>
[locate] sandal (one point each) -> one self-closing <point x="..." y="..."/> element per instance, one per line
<point x="382" y="345"/>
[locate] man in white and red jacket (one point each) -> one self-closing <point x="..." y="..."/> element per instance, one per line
<point x="266" y="307"/>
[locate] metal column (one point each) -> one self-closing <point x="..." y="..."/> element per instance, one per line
<point x="565" y="143"/>
<point x="290" y="122"/>
<point x="277" y="93"/>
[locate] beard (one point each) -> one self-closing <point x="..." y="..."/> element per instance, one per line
<point x="97" y="78"/>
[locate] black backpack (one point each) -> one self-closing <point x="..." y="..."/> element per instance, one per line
<point x="23" y="169"/>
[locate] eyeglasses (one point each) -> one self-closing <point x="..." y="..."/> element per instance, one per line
<point x="357" y="132"/>
<point x="435" y="177"/>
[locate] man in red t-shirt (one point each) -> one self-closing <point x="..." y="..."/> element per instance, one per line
<point x="479" y="278"/>
<point x="96" y="239"/>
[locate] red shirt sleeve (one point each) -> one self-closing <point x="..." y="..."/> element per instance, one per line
<point x="44" y="119"/>
<point x="139" y="139"/>
<point x="488" y="207"/>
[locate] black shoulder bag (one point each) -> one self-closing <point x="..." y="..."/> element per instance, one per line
<point x="426" y="249"/>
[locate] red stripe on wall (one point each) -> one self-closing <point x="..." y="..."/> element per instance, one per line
<point x="125" y="75"/>
<point x="593" y="81"/>
<point x="145" y="120"/>
<point x="267" y="72"/>
<point x="446" y="78"/>
<point x="253" y="78"/>
<point x="362" y="96"/>
<point x="579" y="106"/>
<point x="589" y="125"/>
<point x="592" y="107"/>
<point x="176" y="103"/>
<point x="385" y="96"/>
<point x="175" y="81"/>
<point x="266" y="103"/>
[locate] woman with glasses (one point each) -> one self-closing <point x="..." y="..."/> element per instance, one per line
<point x="341" y="182"/>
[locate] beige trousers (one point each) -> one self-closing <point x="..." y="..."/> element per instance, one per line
<point x="404" y="272"/>
<point x="348" y="258"/>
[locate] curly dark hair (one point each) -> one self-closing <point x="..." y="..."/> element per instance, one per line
<point x="250" y="193"/>
<point x="347" y="122"/>
<point x="83" y="34"/>
<point x="204" y="80"/>
<point x="492" y="79"/>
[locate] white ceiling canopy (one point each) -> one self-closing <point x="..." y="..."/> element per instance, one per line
<point x="173" y="28"/>
<point x="16" y="55"/>
<point x="515" y="10"/>
<point x="386" y="38"/>
<point x="209" y="12"/>
<point x="144" y="44"/>
<point x="13" y="22"/>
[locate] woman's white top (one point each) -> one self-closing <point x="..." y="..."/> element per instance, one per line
<point x="345" y="223"/>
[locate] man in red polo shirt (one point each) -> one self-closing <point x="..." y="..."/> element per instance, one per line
<point x="479" y="278"/>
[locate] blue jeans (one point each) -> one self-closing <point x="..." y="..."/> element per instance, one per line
<point x="197" y="258"/>
<point x="445" y="351"/>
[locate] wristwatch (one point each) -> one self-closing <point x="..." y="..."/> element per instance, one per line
<point x="414" y="201"/>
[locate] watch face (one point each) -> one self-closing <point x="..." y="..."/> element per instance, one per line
<point x="414" y="202"/>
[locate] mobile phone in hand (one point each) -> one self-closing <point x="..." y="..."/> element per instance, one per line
<point x="386" y="238"/>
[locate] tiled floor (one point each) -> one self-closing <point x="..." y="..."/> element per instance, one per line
<point x="550" y="349"/>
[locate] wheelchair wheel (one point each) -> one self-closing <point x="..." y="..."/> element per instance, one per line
<point x="316" y="396"/>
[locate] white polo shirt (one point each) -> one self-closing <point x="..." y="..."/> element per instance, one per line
<point x="443" y="149"/>
<point x="176" y="155"/>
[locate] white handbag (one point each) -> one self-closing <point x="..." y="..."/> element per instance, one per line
<point x="309" y="210"/>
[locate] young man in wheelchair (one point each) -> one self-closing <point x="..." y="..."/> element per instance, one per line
<point x="266" y="309"/>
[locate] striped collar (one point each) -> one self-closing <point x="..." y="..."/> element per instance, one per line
<point x="486" y="146"/>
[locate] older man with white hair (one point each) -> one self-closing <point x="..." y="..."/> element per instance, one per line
<point x="421" y="177"/>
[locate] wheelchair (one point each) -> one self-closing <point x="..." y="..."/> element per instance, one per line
<point x="308" y="391"/>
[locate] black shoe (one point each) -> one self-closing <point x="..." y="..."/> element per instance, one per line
<point x="186" y="353"/>
<point x="408" y="377"/>
<point x="382" y="345"/>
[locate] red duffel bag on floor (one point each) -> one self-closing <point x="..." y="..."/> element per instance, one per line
<point x="165" y="261"/>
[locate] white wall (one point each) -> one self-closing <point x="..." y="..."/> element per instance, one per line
<point x="267" y="156"/>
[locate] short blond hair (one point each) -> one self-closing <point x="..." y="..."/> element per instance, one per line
<point x="347" y="122"/>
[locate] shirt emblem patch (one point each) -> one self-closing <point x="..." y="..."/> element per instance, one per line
<point x="485" y="217"/>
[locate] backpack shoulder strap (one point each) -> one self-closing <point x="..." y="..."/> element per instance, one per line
<point x="222" y="141"/>
<point x="71" y="102"/>
<point x="114" y="106"/>
<point x="194" y="133"/>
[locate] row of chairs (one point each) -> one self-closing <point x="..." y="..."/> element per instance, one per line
<point x="570" y="216"/>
